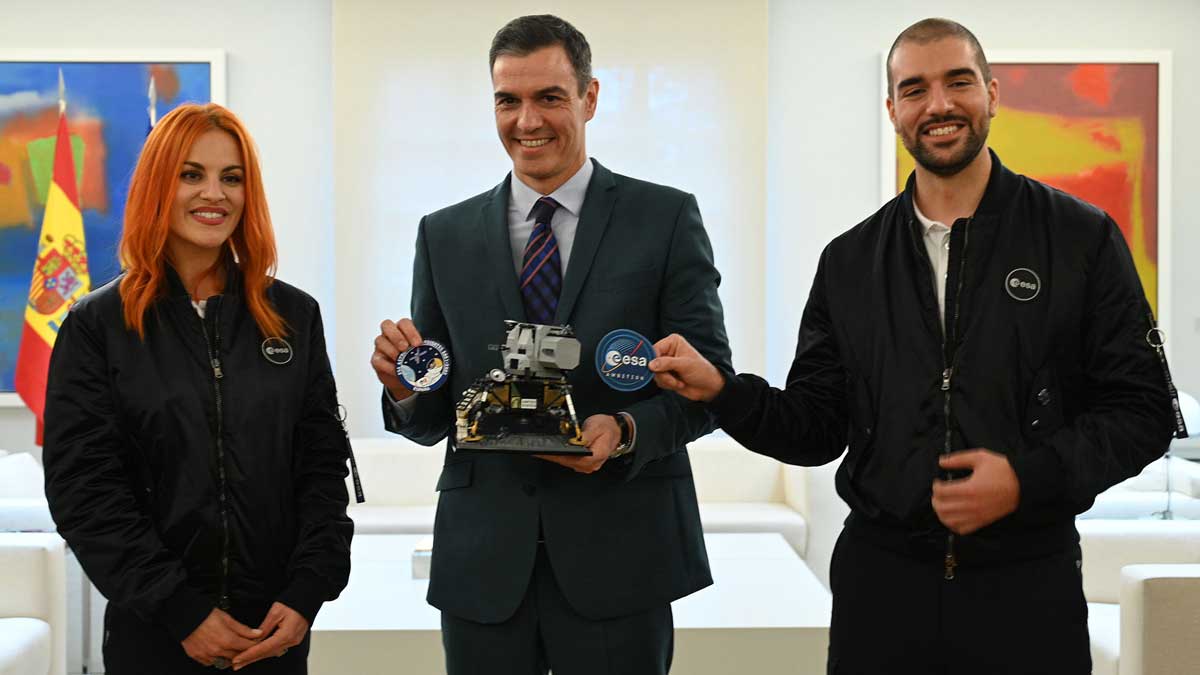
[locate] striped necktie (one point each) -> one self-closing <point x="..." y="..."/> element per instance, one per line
<point x="541" y="273"/>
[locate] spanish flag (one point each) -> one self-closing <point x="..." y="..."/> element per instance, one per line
<point x="60" y="276"/>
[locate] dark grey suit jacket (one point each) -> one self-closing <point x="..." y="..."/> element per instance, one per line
<point x="621" y="540"/>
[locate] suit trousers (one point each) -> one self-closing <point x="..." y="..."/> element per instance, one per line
<point x="547" y="634"/>
<point x="894" y="613"/>
<point x="133" y="646"/>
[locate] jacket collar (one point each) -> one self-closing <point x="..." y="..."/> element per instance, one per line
<point x="1000" y="187"/>
<point x="233" y="278"/>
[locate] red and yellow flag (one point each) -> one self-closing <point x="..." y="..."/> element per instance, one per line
<point x="60" y="277"/>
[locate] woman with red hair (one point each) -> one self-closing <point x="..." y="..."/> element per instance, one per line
<point x="194" y="457"/>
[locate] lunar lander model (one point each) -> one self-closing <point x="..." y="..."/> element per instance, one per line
<point x="525" y="406"/>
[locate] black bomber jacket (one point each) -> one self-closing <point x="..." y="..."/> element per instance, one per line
<point x="1044" y="358"/>
<point x="202" y="467"/>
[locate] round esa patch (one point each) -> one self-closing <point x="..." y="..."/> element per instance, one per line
<point x="424" y="367"/>
<point x="277" y="351"/>
<point x="623" y="360"/>
<point x="1023" y="284"/>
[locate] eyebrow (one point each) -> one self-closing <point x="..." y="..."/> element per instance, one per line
<point x="231" y="167"/>
<point x="541" y="92"/>
<point x="918" y="79"/>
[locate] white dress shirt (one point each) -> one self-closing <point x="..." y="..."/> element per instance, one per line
<point x="937" y="244"/>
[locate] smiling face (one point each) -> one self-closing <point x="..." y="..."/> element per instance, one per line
<point x="540" y="115"/>
<point x="209" y="197"/>
<point x="941" y="107"/>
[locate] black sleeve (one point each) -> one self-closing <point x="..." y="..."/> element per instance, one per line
<point x="1127" y="420"/>
<point x="320" y="564"/>
<point x="433" y="414"/>
<point x="805" y="423"/>
<point x="691" y="307"/>
<point x="93" y="494"/>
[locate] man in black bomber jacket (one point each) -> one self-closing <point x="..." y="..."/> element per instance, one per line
<point x="981" y="344"/>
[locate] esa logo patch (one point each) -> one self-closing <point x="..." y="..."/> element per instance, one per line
<point x="1023" y="284"/>
<point x="277" y="351"/>
<point x="623" y="360"/>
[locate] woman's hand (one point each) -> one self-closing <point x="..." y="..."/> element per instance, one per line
<point x="285" y="628"/>
<point x="220" y="636"/>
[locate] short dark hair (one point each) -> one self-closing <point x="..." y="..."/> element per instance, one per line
<point x="930" y="30"/>
<point x="527" y="34"/>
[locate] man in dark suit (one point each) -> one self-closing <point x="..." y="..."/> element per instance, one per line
<point x="552" y="562"/>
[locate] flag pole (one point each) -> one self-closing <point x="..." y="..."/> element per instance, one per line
<point x="152" y="94"/>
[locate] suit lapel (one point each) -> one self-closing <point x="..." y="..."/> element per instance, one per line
<point x="494" y="219"/>
<point x="593" y="221"/>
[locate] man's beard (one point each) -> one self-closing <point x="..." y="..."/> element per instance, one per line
<point x="956" y="162"/>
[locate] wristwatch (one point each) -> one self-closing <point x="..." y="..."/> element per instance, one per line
<point x="626" y="442"/>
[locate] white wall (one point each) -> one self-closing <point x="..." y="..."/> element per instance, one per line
<point x="414" y="131"/>
<point x="682" y="93"/>
<point x="279" y="82"/>
<point x="826" y="94"/>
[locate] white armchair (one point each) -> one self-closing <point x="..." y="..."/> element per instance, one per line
<point x="23" y="505"/>
<point x="33" y="604"/>
<point x="1142" y="583"/>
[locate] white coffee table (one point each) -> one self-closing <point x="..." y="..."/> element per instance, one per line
<point x="765" y="614"/>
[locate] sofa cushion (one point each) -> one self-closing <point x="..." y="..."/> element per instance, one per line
<point x="1104" y="629"/>
<point x="397" y="472"/>
<point x="755" y="517"/>
<point x="25" y="646"/>
<point x="1136" y="504"/>
<point x="1109" y="545"/>
<point x="386" y="519"/>
<point x="726" y="472"/>
<point x="21" y="476"/>
<point x="25" y="514"/>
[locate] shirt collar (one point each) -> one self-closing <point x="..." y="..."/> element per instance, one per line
<point x="926" y="223"/>
<point x="569" y="195"/>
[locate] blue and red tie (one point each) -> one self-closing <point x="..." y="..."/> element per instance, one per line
<point x="541" y="273"/>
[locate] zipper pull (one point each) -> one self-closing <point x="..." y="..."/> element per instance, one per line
<point x="946" y="378"/>
<point x="951" y="563"/>
<point x="216" y="366"/>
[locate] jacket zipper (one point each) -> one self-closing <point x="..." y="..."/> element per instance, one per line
<point x="948" y="363"/>
<point x="214" y="359"/>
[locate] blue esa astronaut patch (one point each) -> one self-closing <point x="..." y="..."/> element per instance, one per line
<point x="623" y="360"/>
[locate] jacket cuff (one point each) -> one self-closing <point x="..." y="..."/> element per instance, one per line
<point x="184" y="610"/>
<point x="1040" y="476"/>
<point x="305" y="594"/>
<point x="730" y="404"/>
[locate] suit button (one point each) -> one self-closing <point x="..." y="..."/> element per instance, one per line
<point x="529" y="490"/>
<point x="1035" y="423"/>
<point x="1043" y="397"/>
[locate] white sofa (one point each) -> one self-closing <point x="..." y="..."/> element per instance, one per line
<point x="1167" y="484"/>
<point x="1142" y="582"/>
<point x="23" y="505"/>
<point x="33" y="604"/>
<point x="738" y="490"/>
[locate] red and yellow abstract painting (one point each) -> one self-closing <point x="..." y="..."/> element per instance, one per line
<point x="1089" y="129"/>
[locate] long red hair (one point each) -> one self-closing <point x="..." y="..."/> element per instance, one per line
<point x="152" y="191"/>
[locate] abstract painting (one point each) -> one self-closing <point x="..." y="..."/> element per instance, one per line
<point x="108" y="108"/>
